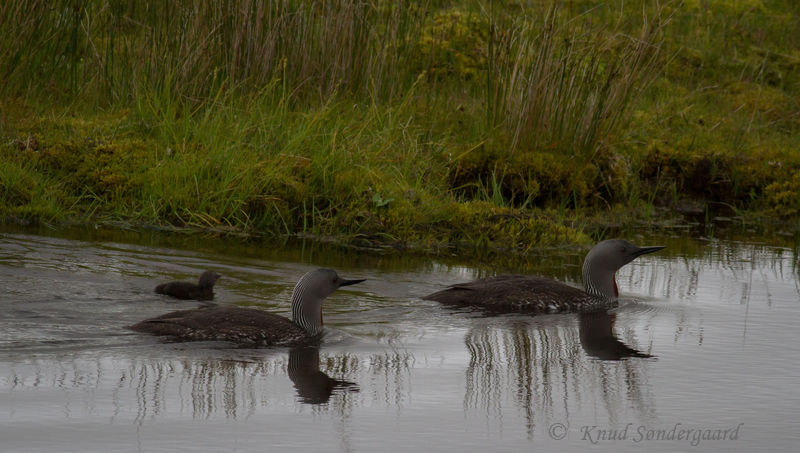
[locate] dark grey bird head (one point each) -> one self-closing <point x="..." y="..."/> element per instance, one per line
<point x="604" y="260"/>
<point x="208" y="278"/>
<point x="309" y="293"/>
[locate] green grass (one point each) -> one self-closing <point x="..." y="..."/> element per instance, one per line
<point x="429" y="124"/>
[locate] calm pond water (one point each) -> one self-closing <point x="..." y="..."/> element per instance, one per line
<point x="394" y="372"/>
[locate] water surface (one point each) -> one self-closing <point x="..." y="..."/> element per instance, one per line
<point x="394" y="372"/>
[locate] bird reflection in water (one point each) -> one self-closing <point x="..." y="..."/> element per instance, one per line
<point x="313" y="386"/>
<point x="596" y="331"/>
<point x="239" y="383"/>
<point x="546" y="366"/>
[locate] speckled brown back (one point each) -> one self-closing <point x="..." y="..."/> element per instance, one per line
<point x="236" y="324"/>
<point x="520" y="293"/>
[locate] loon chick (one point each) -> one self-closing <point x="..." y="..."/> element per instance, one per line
<point x="528" y="294"/>
<point x="203" y="290"/>
<point x="252" y="326"/>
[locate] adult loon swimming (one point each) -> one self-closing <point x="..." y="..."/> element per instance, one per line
<point x="528" y="294"/>
<point x="252" y="326"/>
<point x="203" y="290"/>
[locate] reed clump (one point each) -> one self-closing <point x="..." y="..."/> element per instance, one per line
<point x="409" y="122"/>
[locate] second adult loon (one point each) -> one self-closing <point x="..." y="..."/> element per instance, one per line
<point x="530" y="294"/>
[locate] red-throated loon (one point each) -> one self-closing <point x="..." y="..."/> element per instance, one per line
<point x="252" y="326"/>
<point x="203" y="290"/>
<point x="528" y="294"/>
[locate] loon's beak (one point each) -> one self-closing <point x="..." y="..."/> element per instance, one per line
<point x="349" y="282"/>
<point x="646" y="250"/>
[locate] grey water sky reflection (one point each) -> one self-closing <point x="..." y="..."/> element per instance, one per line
<point x="394" y="372"/>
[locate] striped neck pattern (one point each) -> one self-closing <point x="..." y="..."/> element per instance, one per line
<point x="307" y="308"/>
<point x="598" y="283"/>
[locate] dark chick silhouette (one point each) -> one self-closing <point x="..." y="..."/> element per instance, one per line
<point x="202" y="290"/>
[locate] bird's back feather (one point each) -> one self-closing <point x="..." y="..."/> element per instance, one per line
<point x="520" y="293"/>
<point x="236" y="324"/>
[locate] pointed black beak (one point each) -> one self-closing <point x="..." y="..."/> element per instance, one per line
<point x="349" y="282"/>
<point x="646" y="250"/>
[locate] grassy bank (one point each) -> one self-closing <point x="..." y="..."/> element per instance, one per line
<point x="507" y="125"/>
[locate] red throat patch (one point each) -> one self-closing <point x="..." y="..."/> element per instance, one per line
<point x="616" y="290"/>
